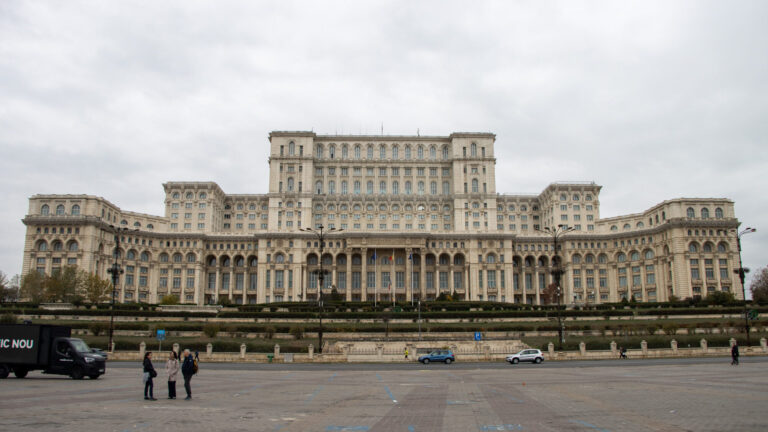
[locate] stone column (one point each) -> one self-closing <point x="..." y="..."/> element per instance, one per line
<point x="277" y="351"/>
<point x="422" y="274"/>
<point x="232" y="281"/>
<point x="364" y="275"/>
<point x="536" y="286"/>
<point x="582" y="348"/>
<point x="764" y="344"/>
<point x="673" y="344"/>
<point x="613" y="347"/>
<point x="200" y="284"/>
<point x="209" y="350"/>
<point x="311" y="351"/>
<point x="142" y="349"/>
<point x="703" y="346"/>
<point x="644" y="347"/>
<point x="242" y="351"/>
<point x="218" y="281"/>
<point x="408" y="274"/>
<point x="349" y="277"/>
<point x="551" y="349"/>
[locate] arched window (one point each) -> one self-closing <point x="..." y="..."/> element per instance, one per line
<point x="421" y="188"/>
<point x="290" y="184"/>
<point x="137" y="224"/>
<point x="42" y="246"/>
<point x="369" y="152"/>
<point x="705" y="213"/>
<point x="445" y="152"/>
<point x="640" y="225"/>
<point x="491" y="259"/>
<point x="202" y="195"/>
<point x="45" y="210"/>
<point x="357" y="151"/>
<point x="589" y="259"/>
<point x="331" y="187"/>
<point x="357" y="187"/>
<point x="395" y="152"/>
<point x="719" y="213"/>
<point x="60" y="210"/>
<point x="432" y="153"/>
<point x="446" y="188"/>
<point x="131" y="255"/>
<point x="319" y="187"/>
<point x="369" y="187"/>
<point x="627" y="226"/>
<point x="332" y="152"/>
<point x="225" y="261"/>
<point x="575" y="197"/>
<point x="408" y="187"/>
<point x="433" y="188"/>
<point x="602" y="259"/>
<point x="395" y="187"/>
<point x="576" y="259"/>
<point x="382" y="152"/>
<point x="191" y="257"/>
<point x="279" y="258"/>
<point x="648" y="254"/>
<point x="75" y="210"/>
<point x="722" y="247"/>
<point x="614" y="228"/>
<point x="144" y="257"/>
<point x="707" y="247"/>
<point x="473" y="150"/>
<point x="621" y="257"/>
<point x="634" y="256"/>
<point x="312" y="260"/>
<point x="72" y="246"/>
<point x="177" y="257"/>
<point x="382" y="187"/>
<point x="319" y="151"/>
<point x="408" y="152"/>
<point x="57" y="246"/>
<point x="344" y="152"/>
<point x="691" y="213"/>
<point x="291" y="148"/>
<point x="420" y="152"/>
<point x="163" y="257"/>
<point x="693" y="247"/>
<point x="344" y="187"/>
<point x="475" y="186"/>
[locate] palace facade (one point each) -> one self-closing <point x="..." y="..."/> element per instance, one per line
<point x="419" y="216"/>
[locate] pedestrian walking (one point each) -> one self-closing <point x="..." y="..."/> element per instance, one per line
<point x="406" y="353"/>
<point x="622" y="353"/>
<point x="172" y="369"/>
<point x="187" y="370"/>
<point x="735" y="354"/>
<point x="149" y="373"/>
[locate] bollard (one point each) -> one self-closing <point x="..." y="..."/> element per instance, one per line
<point x="277" y="351"/>
<point x="380" y="350"/>
<point x="242" y="351"/>
<point x="311" y="351"/>
<point x="703" y="344"/>
<point x="613" y="348"/>
<point x="673" y="344"/>
<point x="551" y="349"/>
<point x="142" y="349"/>
<point x="112" y="347"/>
<point x="209" y="349"/>
<point x="764" y="344"/>
<point x="582" y="348"/>
<point x="644" y="347"/>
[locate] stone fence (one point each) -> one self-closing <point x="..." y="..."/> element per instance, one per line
<point x="394" y="352"/>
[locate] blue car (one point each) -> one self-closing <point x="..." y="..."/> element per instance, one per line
<point x="438" y="356"/>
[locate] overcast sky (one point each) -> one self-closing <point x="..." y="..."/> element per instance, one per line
<point x="652" y="100"/>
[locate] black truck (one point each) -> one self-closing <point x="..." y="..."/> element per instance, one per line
<point x="26" y="347"/>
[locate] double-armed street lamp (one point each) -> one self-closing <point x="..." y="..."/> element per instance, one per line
<point x="742" y="272"/>
<point x="320" y="233"/>
<point x="115" y="271"/>
<point x="557" y="273"/>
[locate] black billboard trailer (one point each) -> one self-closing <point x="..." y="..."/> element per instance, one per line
<point x="26" y="347"/>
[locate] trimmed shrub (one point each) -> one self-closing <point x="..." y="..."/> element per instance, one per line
<point x="211" y="330"/>
<point x="97" y="327"/>
<point x="297" y="332"/>
<point x="8" y="318"/>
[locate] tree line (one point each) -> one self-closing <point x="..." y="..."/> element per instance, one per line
<point x="68" y="284"/>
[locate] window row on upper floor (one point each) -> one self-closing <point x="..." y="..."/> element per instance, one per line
<point x="383" y="189"/>
<point x="704" y="212"/>
<point x="45" y="210"/>
<point x="189" y="195"/>
<point x="56" y="246"/>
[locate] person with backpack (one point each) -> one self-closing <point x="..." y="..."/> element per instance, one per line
<point x="188" y="368"/>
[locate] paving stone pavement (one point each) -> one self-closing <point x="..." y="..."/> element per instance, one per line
<point x="697" y="397"/>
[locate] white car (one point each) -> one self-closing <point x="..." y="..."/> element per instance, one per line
<point x="526" y="355"/>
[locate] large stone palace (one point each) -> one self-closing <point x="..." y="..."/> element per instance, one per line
<point x="414" y="216"/>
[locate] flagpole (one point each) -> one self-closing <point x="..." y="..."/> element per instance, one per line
<point x="410" y="258"/>
<point x="390" y="278"/>
<point x="375" y="288"/>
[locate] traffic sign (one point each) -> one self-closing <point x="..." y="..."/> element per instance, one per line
<point x="161" y="335"/>
<point x="478" y="336"/>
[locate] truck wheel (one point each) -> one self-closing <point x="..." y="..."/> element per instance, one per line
<point x="77" y="373"/>
<point x="4" y="371"/>
<point x="20" y="372"/>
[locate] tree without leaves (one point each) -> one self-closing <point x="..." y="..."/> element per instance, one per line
<point x="63" y="285"/>
<point x="759" y="285"/>
<point x="549" y="294"/>
<point x="8" y="289"/>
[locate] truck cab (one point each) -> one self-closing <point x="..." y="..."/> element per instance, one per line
<point x="73" y="357"/>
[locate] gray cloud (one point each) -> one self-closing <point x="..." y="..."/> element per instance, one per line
<point x="653" y="100"/>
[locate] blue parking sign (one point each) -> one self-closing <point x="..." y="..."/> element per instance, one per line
<point x="478" y="336"/>
<point x="161" y="335"/>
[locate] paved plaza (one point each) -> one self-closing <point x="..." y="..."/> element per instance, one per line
<point x="709" y="395"/>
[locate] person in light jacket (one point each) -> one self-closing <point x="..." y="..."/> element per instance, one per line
<point x="172" y="369"/>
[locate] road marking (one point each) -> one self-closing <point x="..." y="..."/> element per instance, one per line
<point x="378" y="377"/>
<point x="333" y="376"/>
<point x="513" y="399"/>
<point x="347" y="428"/>
<point x="589" y="425"/>
<point x="309" y="399"/>
<point x="411" y="428"/>
<point x="503" y="427"/>
<point x="391" y="396"/>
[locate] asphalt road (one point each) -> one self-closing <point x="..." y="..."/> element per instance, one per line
<point x="458" y="364"/>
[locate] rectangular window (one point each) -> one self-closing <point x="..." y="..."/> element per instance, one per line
<point x="356" y="279"/>
<point x="279" y="274"/>
<point x="212" y="281"/>
<point x="225" y="282"/>
<point x="268" y="279"/>
<point x="239" y="281"/>
<point x="341" y="280"/>
<point x="443" y="276"/>
<point x="430" y="280"/>
<point x="371" y="279"/>
<point x="400" y="279"/>
<point x="502" y="279"/>
<point x="253" y="280"/>
<point x="176" y="282"/>
<point x="491" y="278"/>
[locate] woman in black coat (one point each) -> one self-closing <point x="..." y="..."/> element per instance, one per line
<point x="149" y="373"/>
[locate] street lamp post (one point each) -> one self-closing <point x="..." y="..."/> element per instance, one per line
<point x="557" y="273"/>
<point x="320" y="276"/>
<point x="115" y="271"/>
<point x="742" y="272"/>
